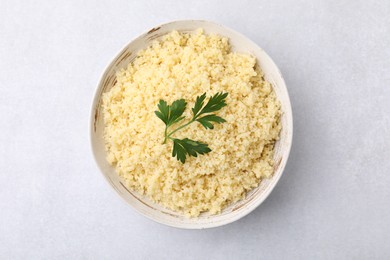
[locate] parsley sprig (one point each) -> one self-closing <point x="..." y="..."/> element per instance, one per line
<point x="172" y="114"/>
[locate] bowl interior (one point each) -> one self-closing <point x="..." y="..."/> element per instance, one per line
<point x="142" y="204"/>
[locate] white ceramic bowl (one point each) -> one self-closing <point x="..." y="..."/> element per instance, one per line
<point x="142" y="204"/>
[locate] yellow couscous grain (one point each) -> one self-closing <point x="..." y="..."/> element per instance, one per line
<point x="182" y="65"/>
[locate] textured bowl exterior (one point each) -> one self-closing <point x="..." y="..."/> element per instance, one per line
<point x="141" y="203"/>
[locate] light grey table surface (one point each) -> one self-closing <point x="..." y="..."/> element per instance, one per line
<point x="333" y="201"/>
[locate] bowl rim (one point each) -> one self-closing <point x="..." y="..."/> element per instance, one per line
<point x="265" y="193"/>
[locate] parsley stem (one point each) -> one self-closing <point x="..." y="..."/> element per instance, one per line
<point x="180" y="127"/>
<point x="165" y="134"/>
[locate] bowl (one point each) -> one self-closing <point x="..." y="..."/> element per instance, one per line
<point x="143" y="204"/>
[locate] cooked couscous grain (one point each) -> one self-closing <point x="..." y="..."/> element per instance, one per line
<point x="184" y="65"/>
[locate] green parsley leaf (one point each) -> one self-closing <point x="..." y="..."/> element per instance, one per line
<point x="171" y="114"/>
<point x="183" y="147"/>
<point x="163" y="112"/>
<point x="198" y="104"/>
<point x="206" y="121"/>
<point x="177" y="109"/>
<point x="215" y="103"/>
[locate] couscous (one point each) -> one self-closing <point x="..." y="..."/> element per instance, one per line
<point x="184" y="66"/>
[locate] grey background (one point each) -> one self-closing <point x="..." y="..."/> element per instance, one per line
<point x="331" y="203"/>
